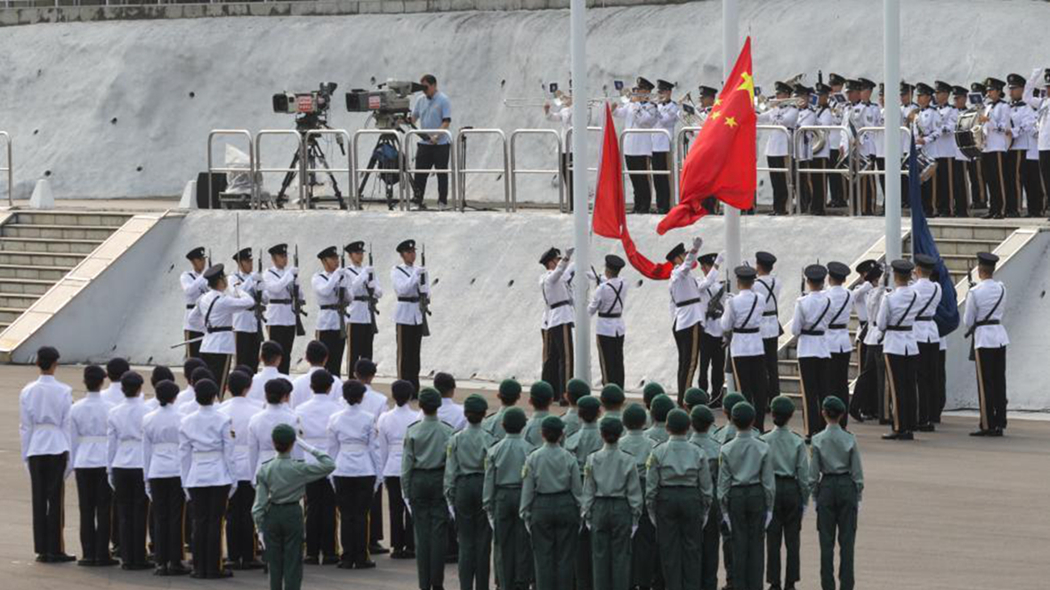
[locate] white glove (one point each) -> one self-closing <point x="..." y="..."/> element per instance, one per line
<point x="697" y="242"/>
<point x="451" y="512"/>
<point x="109" y="478"/>
<point x="858" y="507"/>
<point x="634" y="529"/>
<point x="652" y="519"/>
<point x="769" y="519"/>
<point x="187" y="492"/>
<point x="233" y="491"/>
<point x="528" y="527"/>
<point x="707" y="516"/>
<point x="149" y="492"/>
<point x="1037" y="73"/>
<point x="293" y="270"/>
<point x="262" y="543"/>
<point x="568" y="253"/>
<point x="729" y="525"/>
<point x="305" y="446"/>
<point x="720" y="259"/>
<point x="804" y="508"/>
<point x="492" y="523"/>
<point x="408" y="506"/>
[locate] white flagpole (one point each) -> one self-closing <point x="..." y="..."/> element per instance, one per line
<point x="730" y="50"/>
<point x="891" y="48"/>
<point x="581" y="211"/>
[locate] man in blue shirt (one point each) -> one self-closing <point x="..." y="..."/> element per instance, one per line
<point x="432" y="111"/>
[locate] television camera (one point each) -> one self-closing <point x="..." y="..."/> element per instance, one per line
<point x="311" y="113"/>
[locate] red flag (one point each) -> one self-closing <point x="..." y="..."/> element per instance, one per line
<point x="610" y="215"/>
<point x="721" y="163"/>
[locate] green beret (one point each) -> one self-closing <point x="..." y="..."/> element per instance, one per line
<point x="662" y="405"/>
<point x="611" y="425"/>
<point x="743" y="412"/>
<point x="541" y="391"/>
<point x="694" y="396"/>
<point x="782" y="406"/>
<point x="509" y="389"/>
<point x="702" y="415"/>
<point x="283" y="434"/>
<point x="677" y="420"/>
<point x="731" y="400"/>
<point x="588" y="402"/>
<point x="634" y="416"/>
<point x="475" y="403"/>
<point x="429" y="398"/>
<point x="612" y="395"/>
<point x="514" y="419"/>
<point x="651" y="390"/>
<point x="577" y="388"/>
<point x="833" y="403"/>
<point x="553" y="423"/>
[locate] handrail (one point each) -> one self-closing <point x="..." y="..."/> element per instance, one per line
<point x="672" y="165"/>
<point x="514" y="171"/>
<point x="790" y="158"/>
<point x="251" y="161"/>
<point x="881" y="129"/>
<point x="9" y="169"/>
<point x="344" y="139"/>
<point x="823" y="171"/>
<point x="568" y="142"/>
<point x="461" y="183"/>
<point x="355" y="176"/>
<point x="298" y="171"/>
<point x="408" y="169"/>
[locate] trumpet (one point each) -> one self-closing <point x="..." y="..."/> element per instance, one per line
<point x="559" y="100"/>
<point x="763" y="103"/>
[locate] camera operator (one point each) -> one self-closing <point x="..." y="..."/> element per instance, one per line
<point x="432" y="111"/>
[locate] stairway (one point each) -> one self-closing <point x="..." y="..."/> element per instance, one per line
<point x="37" y="249"/>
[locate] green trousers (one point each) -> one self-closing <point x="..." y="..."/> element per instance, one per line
<point x="747" y="515"/>
<point x="786" y="528"/>
<point x="475" y="537"/>
<point x="584" y="565"/>
<point x="679" y="518"/>
<point x="430" y="521"/>
<point x="611" y="543"/>
<point x="709" y="549"/>
<point x="643" y="551"/>
<point x="555" y="531"/>
<point x="515" y="558"/>
<point x="283" y="535"/>
<point x="836" y="515"/>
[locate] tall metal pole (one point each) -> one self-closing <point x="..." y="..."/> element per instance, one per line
<point x="891" y="48"/>
<point x="730" y="49"/>
<point x="581" y="210"/>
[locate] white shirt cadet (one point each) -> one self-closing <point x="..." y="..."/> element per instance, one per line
<point x="896" y="320"/>
<point x="985" y="304"/>
<point x="44" y="412"/>
<point x="925" y="328"/>
<point x="113" y="394"/>
<point x="353" y="443"/>
<point x="786" y="116"/>
<point x="810" y="324"/>
<point x="160" y="443"/>
<point x="302" y="393"/>
<point x="608" y="302"/>
<point x="995" y="138"/>
<point x="124" y="431"/>
<point x="391" y="429"/>
<point x="768" y="287"/>
<point x="667" y="115"/>
<point x="452" y="414"/>
<point x="216" y="310"/>
<point x="87" y="432"/>
<point x="185" y="396"/>
<point x="743" y="316"/>
<point x="240" y="410"/>
<point x="1042" y="107"/>
<point x="193" y="286"/>
<point x="637" y="115"/>
<point x="556" y="289"/>
<point x="248" y="283"/>
<point x="373" y="402"/>
<point x="870" y="115"/>
<point x="711" y="290"/>
<point x="206" y="448"/>
<point x="837" y="336"/>
<point x="872" y="304"/>
<point x="361" y="279"/>
<point x="257" y="392"/>
<point x="409" y="282"/>
<point x="685" y="302"/>
<point x="314" y="415"/>
<point x="260" y="434"/>
<point x="327" y="286"/>
<point x="277" y="290"/>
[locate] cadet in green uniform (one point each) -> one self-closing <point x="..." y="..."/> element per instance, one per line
<point x="587" y="440"/>
<point x="727" y="431"/>
<point x="649" y="393"/>
<point x="722" y="435"/>
<point x="550" y="507"/>
<point x="702" y="418"/>
<point x="279" y="486"/>
<point x="612" y="505"/>
<point x="678" y="490"/>
<point x="747" y="490"/>
<point x="643" y="544"/>
<point x="838" y="481"/>
<point x="541" y="395"/>
<point x="694" y="396"/>
<point x="791" y="469"/>
<point x="576" y="389"/>
<point x="464" y="486"/>
<point x="661" y="407"/>
<point x="509" y="394"/>
<point x="422" y="472"/>
<point x="501" y="501"/>
<point x="612" y="399"/>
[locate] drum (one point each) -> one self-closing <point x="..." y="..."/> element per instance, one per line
<point x="969" y="134"/>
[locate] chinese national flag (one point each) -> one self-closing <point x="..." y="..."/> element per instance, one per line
<point x="721" y="163"/>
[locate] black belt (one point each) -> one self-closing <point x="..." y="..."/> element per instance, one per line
<point x="986" y="323"/>
<point x="712" y="316"/>
<point x="362" y="298"/>
<point x="863" y="324"/>
<point x="609" y="316"/>
<point x="332" y="306"/>
<point x="191" y="305"/>
<point x="215" y="329"/>
<point x="812" y="332"/>
<point x="898" y="329"/>
<point x="924" y="318"/>
<point x="837" y="326"/>
<point x="408" y="299"/>
<point x="560" y="304"/>
<point x="285" y="503"/>
<point x="841" y="474"/>
<point x="791" y="477"/>
<point x="745" y="330"/>
<point x="747" y="485"/>
<point x="686" y="302"/>
<point x="769" y="314"/>
<point x="281" y="301"/>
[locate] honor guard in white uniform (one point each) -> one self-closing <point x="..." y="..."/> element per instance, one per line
<point x="124" y="457"/>
<point x="983" y="319"/>
<point x="859" y="303"/>
<point x="1035" y="92"/>
<point x="1023" y="177"/>
<point x="639" y="113"/>
<point x="271" y="355"/>
<point x="247" y="327"/>
<point x="241" y="549"/>
<point x="87" y="455"/>
<point x="412" y="286"/>
<point x="193" y="286"/>
<point x="162" y="468"/>
<point x="869" y="395"/>
<point x="927" y="129"/>
<point x="712" y="345"/>
<point x="392" y="427"/>
<point x="331" y="287"/>
<point x="260" y="427"/>
<point x="896" y="322"/>
<point x="809" y="184"/>
<point x="813" y="311"/>
<point x="687" y="314"/>
<point x="997" y="129"/>
<point x="364" y="294"/>
<point x="608" y="303"/>
<point x="928" y="339"/>
<point x="832" y="114"/>
<point x="556" y="290"/>
<point x="840" y="345"/>
<point x="280" y="287"/>
<point x="768" y="286"/>
<point x="777" y="146"/>
<point x="44" y="428"/>
<point x="217" y="308"/>
<point x="743" y="318"/>
<point x="302" y="392"/>
<point x="314" y="415"/>
<point x="667" y="115"/>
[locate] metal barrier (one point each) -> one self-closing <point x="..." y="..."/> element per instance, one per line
<point x="847" y="172"/>
<point x="514" y="171"/>
<point x="874" y="170"/>
<point x="343" y="138"/>
<point x="672" y="166"/>
<point x="355" y="176"/>
<point x="408" y="169"/>
<point x="790" y="159"/>
<point x="568" y="143"/>
<point x="298" y="171"/>
<point x="9" y="169"/>
<point x="462" y="170"/>
<point x="251" y="161"/>
<point x="681" y="146"/>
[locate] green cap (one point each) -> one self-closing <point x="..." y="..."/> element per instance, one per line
<point x="429" y="399"/>
<point x="283" y="434"/>
<point x="553" y="423"/>
<point x="731" y="400"/>
<point x="782" y="406"/>
<point x="661" y="406"/>
<point x="589" y="402"/>
<point x="744" y="412"/>
<point x="677" y="420"/>
<point x="612" y="395"/>
<point x="611" y="425"/>
<point x="702" y="415"/>
<point x="833" y="403"/>
<point x="541" y="391"/>
<point x="509" y="389"/>
<point x="514" y="419"/>
<point x="694" y="396"/>
<point x="576" y="389"/>
<point x="650" y="391"/>
<point x="476" y="404"/>
<point x="634" y="416"/>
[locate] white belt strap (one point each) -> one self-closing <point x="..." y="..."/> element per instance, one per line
<point x="87" y="440"/>
<point x="354" y="448"/>
<point x="206" y="454"/>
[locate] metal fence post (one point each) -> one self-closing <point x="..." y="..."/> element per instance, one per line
<point x="557" y="171"/>
<point x="505" y="171"/>
<point x="259" y="169"/>
<point x="340" y="134"/>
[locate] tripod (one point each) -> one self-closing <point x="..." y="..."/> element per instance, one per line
<point x="314" y="154"/>
<point x="385" y="149"/>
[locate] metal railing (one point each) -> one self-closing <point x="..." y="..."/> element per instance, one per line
<point x="557" y="171"/>
<point x="408" y="167"/>
<point x="355" y="176"/>
<point x="260" y="170"/>
<point x="799" y="170"/>
<point x="462" y="170"/>
<point x="251" y="161"/>
<point x="790" y="159"/>
<point x="568" y="142"/>
<point x="9" y="169"/>
<point x="681" y="146"/>
<point x="343" y="138"/>
<point x="672" y="167"/>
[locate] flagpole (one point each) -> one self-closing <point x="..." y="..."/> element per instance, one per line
<point x="892" y="136"/>
<point x="730" y="49"/>
<point x="581" y="216"/>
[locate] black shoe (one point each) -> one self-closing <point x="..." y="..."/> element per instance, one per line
<point x="60" y="558"/>
<point x="377" y="549"/>
<point x="134" y="567"/>
<point x="87" y="562"/>
<point x="926" y="428"/>
<point x="197" y="575"/>
<point x="907" y="436"/>
<point x="988" y="215"/>
<point x="893" y="436"/>
<point x="178" y="570"/>
<point x="883" y="422"/>
<point x="774" y="587"/>
<point x="981" y="433"/>
<point x="108" y="562"/>
<point x="346" y="565"/>
<point x="410" y="553"/>
<point x="161" y="570"/>
<point x="330" y="560"/>
<point x="364" y="565"/>
<point x="311" y="560"/>
<point x="254" y="564"/>
<point x="856" y="416"/>
<point x="996" y="432"/>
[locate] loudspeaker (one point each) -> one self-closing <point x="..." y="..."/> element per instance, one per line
<point x="218" y="184"/>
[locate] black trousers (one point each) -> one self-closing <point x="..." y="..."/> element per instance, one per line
<point x="816" y="185"/>
<point x="951" y="185"/>
<point x="359" y="339"/>
<point x="335" y="343"/>
<point x="991" y="386"/>
<point x="610" y="358"/>
<point x="838" y="380"/>
<point x="1032" y="183"/>
<point x="640" y="182"/>
<point x="942" y="386"/>
<point x="1044" y="174"/>
<point x="95" y="498"/>
<point x="928" y="192"/>
<point x="1013" y="159"/>
<point x="429" y="156"/>
<point x="688" y="343"/>
<point x="240" y="528"/>
<point x="193" y="349"/>
<point x="132" y="512"/>
<point x="978" y="186"/>
<point x="354" y="497"/>
<point x="47" y="482"/>
<point x="209" y="506"/>
<point x="409" y="346"/>
<point x="867" y="191"/>
<point x="927" y="374"/>
<point x="375" y="517"/>
<point x="713" y="362"/>
<point x="813" y="373"/>
<point x="166" y="510"/>
<point x="219" y="365"/>
<point x="900" y="378"/>
<point x="772" y="366"/>
<point x="285" y="336"/>
<point x="786" y="528"/>
<point x="993" y="164"/>
<point x="837" y="182"/>
<point x="401" y="536"/>
<point x="558" y="358"/>
<point x="870" y="389"/>
<point x="566" y="175"/>
<point x="779" y="180"/>
<point x="662" y="184"/>
<point x="320" y="519"/>
<point x="751" y="380"/>
<point x="248" y="349"/>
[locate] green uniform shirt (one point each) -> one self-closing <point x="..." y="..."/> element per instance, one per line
<point x="789" y="456"/>
<point x="711" y="448"/>
<point x="534" y="428"/>
<point x="504" y="462"/>
<point x="571" y="420"/>
<point x="493" y="424"/>
<point x="466" y="456"/>
<point x="639" y="446"/>
<point x="425" y="447"/>
<point x="835" y="451"/>
<point x="678" y="463"/>
<point x="743" y="461"/>
<point x="586" y="441"/>
<point x="282" y="480"/>
<point x="725" y="433"/>
<point x="658" y="432"/>
<point x="549" y="469"/>
<point x="611" y="473"/>
<point x="618" y="414"/>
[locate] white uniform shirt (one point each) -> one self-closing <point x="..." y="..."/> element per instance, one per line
<point x="860" y="301"/>
<point x="248" y="283"/>
<point x="373" y="402"/>
<point x="944" y="146"/>
<point x="556" y="289"/>
<point x="353" y="443"/>
<point x="185" y="396"/>
<point x="804" y="153"/>
<point x="899" y="308"/>
<point x="995" y="138"/>
<point x="837" y="338"/>
<point x="873" y="303"/>
<point x="314" y="415"/>
<point x="87" y="432"/>
<point x="1022" y="122"/>
<point x="409" y="282"/>
<point x="667" y="115"/>
<point x="160" y="443"/>
<point x="608" y="302"/>
<point x="260" y="434"/>
<point x="392" y="427"/>
<point x="361" y="278"/>
<point x="826" y="118"/>
<point x="206" y="448"/>
<point x="981" y="306"/>
<point x="685" y="302"/>
<point x="193" y="286"/>
<point x="124" y="431"/>
<point x="452" y="414"/>
<point x="326" y="287"/>
<point x="113" y="394"/>
<point x="216" y="310"/>
<point x="710" y="291"/>
<point x="257" y="392"/>
<point x="929" y="298"/>
<point x="563" y="117"/>
<point x="869" y="114"/>
<point x="1042" y="111"/>
<point x="240" y="410"/>
<point x="928" y="125"/>
<point x="769" y="287"/>
<point x="302" y="393"/>
<point x="44" y="410"/>
<point x="744" y="312"/>
<point x="812" y="314"/>
<point x="785" y="116"/>
<point x="277" y="290"/>
<point x="638" y="115"/>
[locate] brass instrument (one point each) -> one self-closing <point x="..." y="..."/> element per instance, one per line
<point x="763" y="104"/>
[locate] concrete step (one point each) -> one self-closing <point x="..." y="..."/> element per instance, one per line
<point x="48" y="245"/>
<point x="24" y="287"/>
<point x="970" y="232"/>
<point x="17" y="300"/>
<point x="43" y="273"/>
<point x="113" y="220"/>
<point x="9" y="314"/>
<point x="40" y="259"/>
<point x="59" y="232"/>
<point x="966" y="247"/>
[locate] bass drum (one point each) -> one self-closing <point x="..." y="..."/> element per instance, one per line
<point x="969" y="134"/>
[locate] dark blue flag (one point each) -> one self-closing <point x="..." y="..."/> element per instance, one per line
<point x="947" y="315"/>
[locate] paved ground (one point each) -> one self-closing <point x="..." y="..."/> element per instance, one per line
<point x="945" y="512"/>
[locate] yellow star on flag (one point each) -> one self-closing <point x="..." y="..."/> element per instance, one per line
<point x="718" y="102"/>
<point x="748" y="84"/>
<point x="730" y="121"/>
<point x="716" y="114"/>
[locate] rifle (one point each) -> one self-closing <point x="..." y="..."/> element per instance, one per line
<point x="208" y="259"/>
<point x="597" y="277"/>
<point x="424" y="298"/>
<point x="970" y="285"/>
<point x="372" y="311"/>
<point x="297" y="299"/>
<point x="342" y="295"/>
<point x="258" y="293"/>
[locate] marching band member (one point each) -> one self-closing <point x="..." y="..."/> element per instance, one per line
<point x="639" y="113"/>
<point x="777" y="152"/>
<point x="927" y="129"/>
<point x="807" y="191"/>
<point x="1038" y="100"/>
<point x="997" y="129"/>
<point x="1024" y="178"/>
<point x="961" y="164"/>
<point x="943" y="149"/>
<point x="667" y="114"/>
<point x="837" y="183"/>
<point x="822" y="158"/>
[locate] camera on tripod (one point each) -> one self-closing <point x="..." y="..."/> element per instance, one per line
<point x="310" y="108"/>
<point x="389" y="105"/>
<point x="311" y="114"/>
